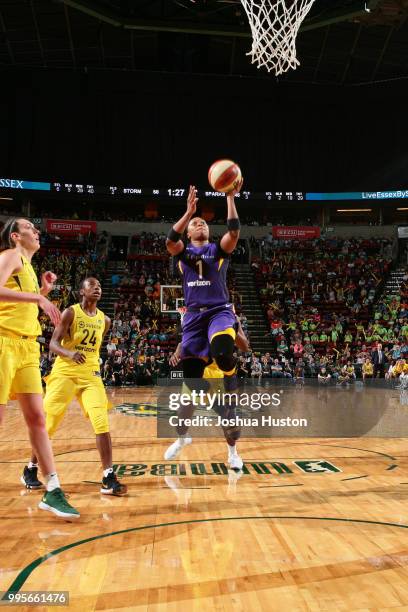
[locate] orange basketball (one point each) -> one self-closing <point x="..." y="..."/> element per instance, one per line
<point x="224" y="175"/>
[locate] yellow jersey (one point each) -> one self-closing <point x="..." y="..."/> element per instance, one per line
<point x="85" y="336"/>
<point x="21" y="318"/>
<point x="368" y="368"/>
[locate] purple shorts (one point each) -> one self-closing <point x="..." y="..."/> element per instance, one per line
<point x="199" y="327"/>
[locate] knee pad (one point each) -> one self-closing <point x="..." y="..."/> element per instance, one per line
<point x="222" y="349"/>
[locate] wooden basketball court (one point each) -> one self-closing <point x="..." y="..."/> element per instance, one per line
<point x="326" y="533"/>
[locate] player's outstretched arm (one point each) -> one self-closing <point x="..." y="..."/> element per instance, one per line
<point x="60" y="332"/>
<point x="230" y="240"/>
<point x="10" y="263"/>
<point x="174" y="244"/>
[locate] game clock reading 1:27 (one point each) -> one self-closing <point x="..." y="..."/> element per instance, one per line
<point x="11" y="184"/>
<point x="136" y="191"/>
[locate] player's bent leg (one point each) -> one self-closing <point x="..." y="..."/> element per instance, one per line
<point x="54" y="499"/>
<point x="222" y="351"/>
<point x="59" y="394"/>
<point x="193" y="370"/>
<point x="95" y="405"/>
<point x="222" y="348"/>
<point x="110" y="483"/>
<point x="232" y="433"/>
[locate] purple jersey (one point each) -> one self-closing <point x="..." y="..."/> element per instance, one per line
<point x="204" y="273"/>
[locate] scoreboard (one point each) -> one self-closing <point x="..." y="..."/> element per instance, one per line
<point x="173" y="192"/>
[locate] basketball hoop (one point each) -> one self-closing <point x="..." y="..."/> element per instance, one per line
<point x="182" y="311"/>
<point x="274" y="26"/>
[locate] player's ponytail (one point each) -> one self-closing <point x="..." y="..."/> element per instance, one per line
<point x="5" y="236"/>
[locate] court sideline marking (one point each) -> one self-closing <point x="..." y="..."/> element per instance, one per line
<point x="27" y="571"/>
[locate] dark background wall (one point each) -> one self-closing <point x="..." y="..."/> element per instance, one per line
<point x="154" y="129"/>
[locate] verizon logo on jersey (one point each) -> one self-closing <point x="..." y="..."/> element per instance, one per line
<point x="199" y="283"/>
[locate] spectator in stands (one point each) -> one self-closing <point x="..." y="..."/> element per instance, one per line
<point x="343" y="376"/>
<point x="379" y="359"/>
<point x="367" y="369"/>
<point x="400" y="367"/>
<point x="298" y="350"/>
<point x="349" y="368"/>
<point x="242" y="370"/>
<point x="111" y="348"/>
<point x="323" y="376"/>
<point x="283" y="348"/>
<point x="276" y="369"/>
<point x="266" y="367"/>
<point x="256" y="369"/>
<point x="299" y="372"/>
<point x="107" y="371"/>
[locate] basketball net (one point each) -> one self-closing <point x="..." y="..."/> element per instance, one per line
<point x="274" y="26"/>
<point x="182" y="311"/>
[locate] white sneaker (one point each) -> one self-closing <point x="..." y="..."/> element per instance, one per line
<point x="176" y="447"/>
<point x="235" y="462"/>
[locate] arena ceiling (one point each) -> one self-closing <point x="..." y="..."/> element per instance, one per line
<point x="342" y="41"/>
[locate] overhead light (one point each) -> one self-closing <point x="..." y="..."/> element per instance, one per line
<point x="6" y="198"/>
<point x="354" y="210"/>
<point x="402" y="208"/>
<point x="367" y="8"/>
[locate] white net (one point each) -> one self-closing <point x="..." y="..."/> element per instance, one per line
<point x="182" y="311"/>
<point x="274" y="26"/>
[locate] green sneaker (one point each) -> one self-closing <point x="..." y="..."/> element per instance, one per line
<point x="56" y="502"/>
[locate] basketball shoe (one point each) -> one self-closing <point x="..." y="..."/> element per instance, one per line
<point x="112" y="486"/>
<point x="56" y="502"/>
<point x="234" y="460"/>
<point x="29" y="478"/>
<point x="175" y="448"/>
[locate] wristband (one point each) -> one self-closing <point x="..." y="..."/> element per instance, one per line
<point x="173" y="235"/>
<point x="233" y="224"/>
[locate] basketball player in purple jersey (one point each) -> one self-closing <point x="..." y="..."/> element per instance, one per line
<point x="208" y="327"/>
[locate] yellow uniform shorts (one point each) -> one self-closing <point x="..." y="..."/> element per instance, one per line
<point x="89" y="391"/>
<point x="19" y="367"/>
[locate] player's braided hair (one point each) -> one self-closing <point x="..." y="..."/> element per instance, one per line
<point x="5" y="237"/>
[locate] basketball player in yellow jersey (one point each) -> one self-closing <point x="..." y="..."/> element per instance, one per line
<point x="20" y="298"/>
<point x="76" y="373"/>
